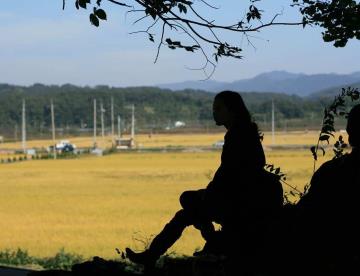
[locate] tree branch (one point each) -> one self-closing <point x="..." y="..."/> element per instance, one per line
<point x="119" y="3"/>
<point x="160" y="43"/>
<point x="174" y="14"/>
<point x="207" y="4"/>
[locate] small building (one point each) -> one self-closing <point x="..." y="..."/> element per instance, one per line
<point x="179" y="124"/>
<point x="31" y="152"/>
<point x="124" y="143"/>
<point x="342" y="131"/>
<point x="97" y="151"/>
<point x="127" y="143"/>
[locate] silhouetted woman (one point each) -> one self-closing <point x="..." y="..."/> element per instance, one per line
<point x="228" y="199"/>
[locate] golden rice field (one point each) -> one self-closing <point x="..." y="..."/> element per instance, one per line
<point x="91" y="205"/>
<point x="164" y="140"/>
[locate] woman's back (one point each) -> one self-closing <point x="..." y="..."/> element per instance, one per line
<point x="241" y="158"/>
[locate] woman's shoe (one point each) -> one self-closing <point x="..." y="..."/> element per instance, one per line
<point x="205" y="251"/>
<point x="145" y="258"/>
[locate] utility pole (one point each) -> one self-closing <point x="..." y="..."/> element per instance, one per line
<point x="273" y="121"/>
<point x="112" y="121"/>
<point x="16" y="132"/>
<point x="102" y="110"/>
<point x="133" y="122"/>
<point x="53" y="127"/>
<point x="94" y="127"/>
<point x="23" y="126"/>
<point x="265" y="123"/>
<point x="119" y="126"/>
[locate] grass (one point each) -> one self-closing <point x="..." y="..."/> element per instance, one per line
<point x="92" y="205"/>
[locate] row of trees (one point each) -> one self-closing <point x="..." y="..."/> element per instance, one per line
<point x="155" y="108"/>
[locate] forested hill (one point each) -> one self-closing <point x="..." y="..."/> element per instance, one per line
<point x="155" y="108"/>
<point x="332" y="92"/>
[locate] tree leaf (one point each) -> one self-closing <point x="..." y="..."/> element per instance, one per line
<point x="182" y="8"/>
<point x="151" y="38"/>
<point x="313" y="151"/>
<point x="82" y="3"/>
<point x="324" y="138"/>
<point x="100" y="13"/>
<point x="94" y="20"/>
<point x="153" y="14"/>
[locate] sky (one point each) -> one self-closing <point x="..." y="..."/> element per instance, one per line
<point x="41" y="43"/>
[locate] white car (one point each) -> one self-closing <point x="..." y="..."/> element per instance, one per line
<point x="65" y="146"/>
<point x="218" y="144"/>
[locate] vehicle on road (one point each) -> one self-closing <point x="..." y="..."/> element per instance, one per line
<point x="64" y="146"/>
<point x="219" y="144"/>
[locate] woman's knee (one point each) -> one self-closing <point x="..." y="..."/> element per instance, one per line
<point x="184" y="198"/>
<point x="189" y="199"/>
<point x="183" y="218"/>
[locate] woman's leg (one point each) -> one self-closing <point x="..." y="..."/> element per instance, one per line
<point x="192" y="214"/>
<point x="195" y="202"/>
<point x="164" y="240"/>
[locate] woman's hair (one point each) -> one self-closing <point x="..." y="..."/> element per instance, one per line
<point x="236" y="106"/>
<point x="353" y="126"/>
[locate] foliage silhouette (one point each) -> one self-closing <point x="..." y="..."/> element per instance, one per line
<point x="339" y="18"/>
<point x="336" y="108"/>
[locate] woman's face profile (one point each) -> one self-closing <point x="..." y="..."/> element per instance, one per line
<point x="221" y="114"/>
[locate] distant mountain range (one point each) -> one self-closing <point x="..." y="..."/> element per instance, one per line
<point x="275" y="81"/>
